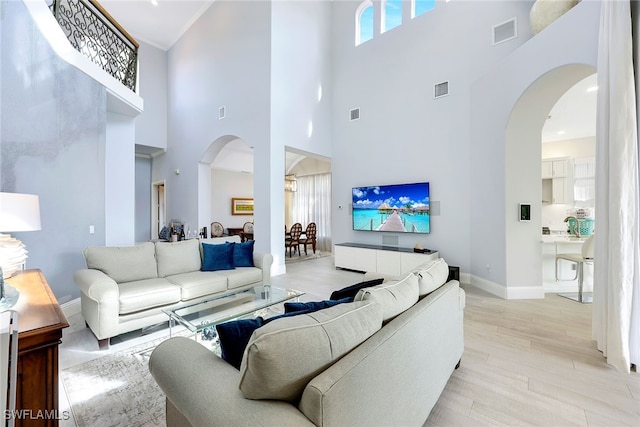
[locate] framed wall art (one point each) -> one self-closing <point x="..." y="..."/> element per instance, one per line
<point x="241" y="206"/>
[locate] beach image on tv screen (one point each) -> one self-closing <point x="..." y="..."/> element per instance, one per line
<point x="400" y="208"/>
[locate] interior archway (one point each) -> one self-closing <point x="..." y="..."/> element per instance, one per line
<point x="233" y="158"/>
<point x="522" y="170"/>
<point x="311" y="199"/>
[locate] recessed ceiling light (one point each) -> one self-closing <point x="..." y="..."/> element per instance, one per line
<point x="592" y="89"/>
<point x="561" y="132"/>
<point x="154" y="2"/>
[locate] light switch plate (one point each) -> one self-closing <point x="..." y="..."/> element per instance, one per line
<point x="524" y="212"/>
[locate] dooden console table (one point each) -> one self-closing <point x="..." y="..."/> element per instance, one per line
<point x="380" y="259"/>
<point x="40" y="324"/>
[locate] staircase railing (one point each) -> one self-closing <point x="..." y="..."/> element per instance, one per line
<point x="94" y="33"/>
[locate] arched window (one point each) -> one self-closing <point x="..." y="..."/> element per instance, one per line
<point x="364" y="22"/>
<point x="418" y="7"/>
<point x="391" y="14"/>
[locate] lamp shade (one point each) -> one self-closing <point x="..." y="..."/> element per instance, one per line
<point x="19" y="212"/>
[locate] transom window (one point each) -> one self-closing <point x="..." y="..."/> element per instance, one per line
<point x="418" y="7"/>
<point x="364" y="22"/>
<point x="391" y="14"/>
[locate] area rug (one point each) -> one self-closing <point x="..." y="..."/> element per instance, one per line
<point x="118" y="390"/>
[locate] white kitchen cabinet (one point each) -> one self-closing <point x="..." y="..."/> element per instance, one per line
<point x="556" y="191"/>
<point x="559" y="168"/>
<point x="554" y="169"/>
<point x="559" y="190"/>
<point x="379" y="259"/>
<point x="557" y="185"/>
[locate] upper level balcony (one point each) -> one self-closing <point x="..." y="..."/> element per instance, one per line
<point x="96" y="35"/>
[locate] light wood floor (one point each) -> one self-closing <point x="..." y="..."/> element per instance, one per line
<point x="526" y="362"/>
<point x="533" y="362"/>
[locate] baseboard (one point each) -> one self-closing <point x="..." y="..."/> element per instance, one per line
<point x="70" y="308"/>
<point x="515" y="292"/>
<point x="487" y="286"/>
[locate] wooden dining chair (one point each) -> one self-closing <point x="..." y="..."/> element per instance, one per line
<point x="293" y="240"/>
<point x="310" y="237"/>
<point x="247" y="231"/>
<point x="217" y="229"/>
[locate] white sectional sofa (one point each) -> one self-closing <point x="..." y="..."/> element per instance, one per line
<point x="381" y="360"/>
<point x="126" y="288"/>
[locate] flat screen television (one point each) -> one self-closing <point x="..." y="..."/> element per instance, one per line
<point x="401" y="208"/>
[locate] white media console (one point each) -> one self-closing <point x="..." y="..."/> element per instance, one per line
<point x="380" y="259"/>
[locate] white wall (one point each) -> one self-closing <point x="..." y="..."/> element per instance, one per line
<point x="404" y="135"/>
<point x="227" y="59"/>
<point x="548" y="64"/>
<point x="301" y="75"/>
<point x="52" y="143"/>
<point x="224" y="186"/>
<point x="574" y="148"/>
<point x="143" y="199"/>
<point x="119" y="180"/>
<point x="151" y="124"/>
<point x="300" y="106"/>
<point x="222" y="60"/>
<point x="458" y="143"/>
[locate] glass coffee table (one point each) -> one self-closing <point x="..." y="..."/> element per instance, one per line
<point x="200" y="318"/>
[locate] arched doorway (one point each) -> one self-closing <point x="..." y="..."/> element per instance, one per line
<point x="229" y="160"/>
<point x="309" y="200"/>
<point x="523" y="173"/>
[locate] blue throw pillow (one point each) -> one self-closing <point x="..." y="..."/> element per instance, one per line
<point x="217" y="257"/>
<point x="289" y="314"/>
<point x="234" y="337"/>
<point x="243" y="254"/>
<point x="309" y="307"/>
<point x="351" y="291"/>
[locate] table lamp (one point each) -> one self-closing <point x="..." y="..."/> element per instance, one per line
<point x="18" y="212"/>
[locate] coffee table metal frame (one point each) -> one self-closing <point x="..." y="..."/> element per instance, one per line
<point x="202" y="316"/>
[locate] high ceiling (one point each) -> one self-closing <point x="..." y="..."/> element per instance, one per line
<point x="161" y="23"/>
<point x="574" y="115"/>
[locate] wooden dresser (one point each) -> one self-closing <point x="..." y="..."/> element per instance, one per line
<point x="40" y="325"/>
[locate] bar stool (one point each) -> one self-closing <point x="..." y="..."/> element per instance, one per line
<point x="585" y="257"/>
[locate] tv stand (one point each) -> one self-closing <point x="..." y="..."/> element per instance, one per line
<point x="380" y="259"/>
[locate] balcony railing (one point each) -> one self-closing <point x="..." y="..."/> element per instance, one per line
<point x="94" y="33"/>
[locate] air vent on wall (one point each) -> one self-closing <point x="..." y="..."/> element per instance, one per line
<point x="354" y="114"/>
<point x="222" y="112"/>
<point x="505" y="31"/>
<point x="441" y="89"/>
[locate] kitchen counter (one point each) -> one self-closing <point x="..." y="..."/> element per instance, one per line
<point x="562" y="243"/>
<point x="562" y="238"/>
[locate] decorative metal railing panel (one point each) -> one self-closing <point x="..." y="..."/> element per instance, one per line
<point x="95" y="34"/>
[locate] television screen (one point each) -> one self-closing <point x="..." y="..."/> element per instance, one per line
<point x="400" y="208"/>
